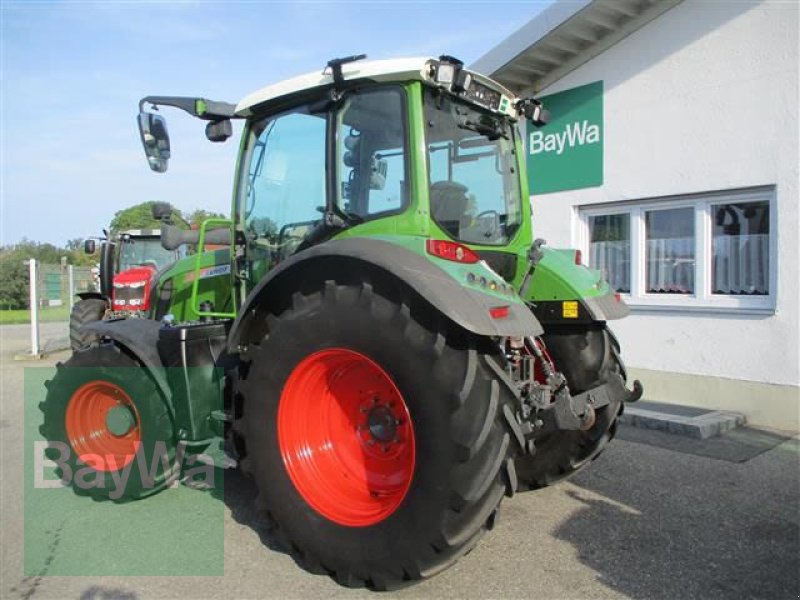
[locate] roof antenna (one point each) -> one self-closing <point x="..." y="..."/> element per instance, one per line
<point x="335" y="65"/>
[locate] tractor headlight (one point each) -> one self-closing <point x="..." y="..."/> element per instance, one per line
<point x="445" y="73"/>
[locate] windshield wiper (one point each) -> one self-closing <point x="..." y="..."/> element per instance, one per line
<point x="490" y="129"/>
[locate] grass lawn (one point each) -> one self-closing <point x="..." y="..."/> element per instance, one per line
<point x="56" y="313"/>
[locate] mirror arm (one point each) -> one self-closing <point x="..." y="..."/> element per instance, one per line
<point x="209" y="110"/>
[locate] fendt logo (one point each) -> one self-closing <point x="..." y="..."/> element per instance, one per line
<point x="575" y="134"/>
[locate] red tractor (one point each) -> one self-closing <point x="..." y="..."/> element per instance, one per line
<point x="128" y="264"/>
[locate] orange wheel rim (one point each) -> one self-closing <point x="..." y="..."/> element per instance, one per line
<point x="346" y="437"/>
<point x="102" y="425"/>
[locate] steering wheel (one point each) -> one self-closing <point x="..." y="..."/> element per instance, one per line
<point x="495" y="220"/>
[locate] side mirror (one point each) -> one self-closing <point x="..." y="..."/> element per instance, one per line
<point x="161" y="211"/>
<point x="533" y="110"/>
<point x="155" y="140"/>
<point x="88" y="246"/>
<point x="219" y="131"/>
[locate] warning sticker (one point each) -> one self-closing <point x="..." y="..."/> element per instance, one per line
<point x="569" y="309"/>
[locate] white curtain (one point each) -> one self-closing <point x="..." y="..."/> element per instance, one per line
<point x="670" y="265"/>
<point x="741" y="264"/>
<point x="613" y="260"/>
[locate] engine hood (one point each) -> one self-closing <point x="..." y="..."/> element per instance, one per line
<point x="134" y="275"/>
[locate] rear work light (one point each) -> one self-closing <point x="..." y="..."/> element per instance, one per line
<point x="451" y="251"/>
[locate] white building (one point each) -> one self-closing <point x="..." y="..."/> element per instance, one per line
<point x="675" y="170"/>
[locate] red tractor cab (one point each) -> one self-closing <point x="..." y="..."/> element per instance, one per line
<point x="139" y="258"/>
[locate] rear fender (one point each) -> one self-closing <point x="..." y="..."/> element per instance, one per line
<point x="405" y="261"/>
<point x="91" y="295"/>
<point x="562" y="292"/>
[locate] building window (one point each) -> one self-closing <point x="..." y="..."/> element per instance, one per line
<point x="669" y="251"/>
<point x="711" y="251"/>
<point x="610" y="248"/>
<point x="740" y="247"/>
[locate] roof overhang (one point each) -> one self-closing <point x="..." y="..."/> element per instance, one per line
<point x="562" y="38"/>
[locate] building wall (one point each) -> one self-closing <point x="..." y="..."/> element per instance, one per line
<point x="703" y="98"/>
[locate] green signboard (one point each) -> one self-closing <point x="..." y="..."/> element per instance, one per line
<point x="567" y="153"/>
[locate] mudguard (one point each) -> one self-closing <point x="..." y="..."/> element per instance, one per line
<point x="467" y="307"/>
<point x="563" y="292"/>
<point x="140" y="338"/>
<point x="89" y="295"/>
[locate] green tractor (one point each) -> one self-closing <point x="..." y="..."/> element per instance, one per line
<point x="381" y="343"/>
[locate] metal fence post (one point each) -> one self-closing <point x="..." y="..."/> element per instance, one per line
<point x="34" y="299"/>
<point x="71" y="289"/>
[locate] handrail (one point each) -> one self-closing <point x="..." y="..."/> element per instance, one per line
<point x="194" y="300"/>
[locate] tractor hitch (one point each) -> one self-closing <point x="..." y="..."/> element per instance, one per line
<point x="547" y="405"/>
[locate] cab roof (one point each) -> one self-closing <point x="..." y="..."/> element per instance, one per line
<point x="397" y="69"/>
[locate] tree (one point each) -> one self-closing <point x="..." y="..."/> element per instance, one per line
<point x="13" y="281"/>
<point x="197" y="216"/>
<point x="140" y="217"/>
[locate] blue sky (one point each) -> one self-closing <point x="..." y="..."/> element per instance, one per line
<point x="73" y="73"/>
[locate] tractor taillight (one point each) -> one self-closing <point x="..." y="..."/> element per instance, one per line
<point x="578" y="257"/>
<point x="499" y="312"/>
<point x="451" y="251"/>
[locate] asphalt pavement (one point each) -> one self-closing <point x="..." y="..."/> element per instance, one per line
<point x="650" y="519"/>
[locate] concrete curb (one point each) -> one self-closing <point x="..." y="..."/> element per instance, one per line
<point x="699" y="426"/>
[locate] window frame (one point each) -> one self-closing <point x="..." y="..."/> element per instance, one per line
<point x="517" y="137"/>
<point x="703" y="205"/>
<point x="335" y="157"/>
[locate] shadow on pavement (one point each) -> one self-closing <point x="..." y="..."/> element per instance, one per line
<point x="240" y="496"/>
<point x="667" y="525"/>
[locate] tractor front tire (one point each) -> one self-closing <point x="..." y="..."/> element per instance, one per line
<point x="586" y="357"/>
<point x="376" y="435"/>
<point x="104" y="417"/>
<point x="83" y="312"/>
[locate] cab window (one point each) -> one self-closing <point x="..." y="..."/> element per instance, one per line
<point x="371" y="153"/>
<point x="285" y="185"/>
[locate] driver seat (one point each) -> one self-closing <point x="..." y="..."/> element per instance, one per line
<point x="449" y="204"/>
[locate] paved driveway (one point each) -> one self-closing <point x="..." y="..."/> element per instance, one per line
<point x="641" y="522"/>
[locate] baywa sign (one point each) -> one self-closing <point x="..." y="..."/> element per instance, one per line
<point x="567" y="153"/>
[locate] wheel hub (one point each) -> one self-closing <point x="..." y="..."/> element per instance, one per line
<point x="120" y="420"/>
<point x="382" y="423"/>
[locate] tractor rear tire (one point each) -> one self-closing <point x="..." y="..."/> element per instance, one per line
<point x="586" y="357"/>
<point x="83" y="312"/>
<point x="103" y="415"/>
<point x="345" y="375"/>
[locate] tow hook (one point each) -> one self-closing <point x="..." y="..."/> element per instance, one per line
<point x="588" y="418"/>
<point x="634" y="394"/>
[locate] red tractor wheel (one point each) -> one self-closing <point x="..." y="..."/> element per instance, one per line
<point x="102" y="421"/>
<point x="346" y="437"/>
<point x="377" y="438"/>
<point x="104" y="414"/>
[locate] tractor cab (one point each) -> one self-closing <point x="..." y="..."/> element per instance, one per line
<point x="139" y="257"/>
<point x="411" y="147"/>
